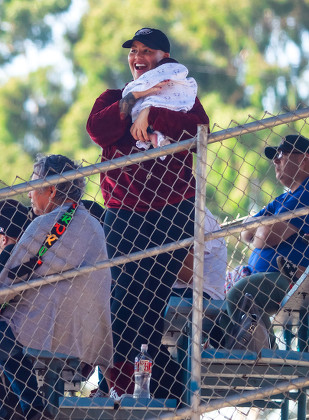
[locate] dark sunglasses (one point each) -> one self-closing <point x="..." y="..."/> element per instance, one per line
<point x="280" y="153"/>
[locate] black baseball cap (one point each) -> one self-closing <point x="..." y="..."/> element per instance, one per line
<point x="153" y="38"/>
<point x="292" y="143"/>
<point x="13" y="218"/>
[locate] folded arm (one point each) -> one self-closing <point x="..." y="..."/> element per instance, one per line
<point x="247" y="235"/>
<point x="272" y="235"/>
<point x="105" y="125"/>
<point x="268" y="236"/>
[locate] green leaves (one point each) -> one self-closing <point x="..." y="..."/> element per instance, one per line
<point x="239" y="53"/>
<point x="23" y="21"/>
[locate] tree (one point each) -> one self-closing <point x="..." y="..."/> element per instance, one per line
<point x="24" y="22"/>
<point x="229" y="50"/>
<point x="32" y="108"/>
<point x="235" y="53"/>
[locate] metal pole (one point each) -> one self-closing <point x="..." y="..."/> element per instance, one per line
<point x="302" y="347"/>
<point x="198" y="267"/>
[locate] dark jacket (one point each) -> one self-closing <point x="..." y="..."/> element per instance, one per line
<point x="5" y="255"/>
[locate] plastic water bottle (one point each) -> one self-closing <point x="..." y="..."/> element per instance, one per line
<point x="142" y="373"/>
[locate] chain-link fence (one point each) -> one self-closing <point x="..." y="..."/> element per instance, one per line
<point x="219" y="299"/>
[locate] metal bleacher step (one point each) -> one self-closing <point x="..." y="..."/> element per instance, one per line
<point x="283" y="363"/>
<point x="226" y="373"/>
<point x="82" y="408"/>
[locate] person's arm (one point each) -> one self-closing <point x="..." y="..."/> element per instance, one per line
<point x="272" y="235"/>
<point x="267" y="236"/>
<point x="247" y="235"/>
<point x="139" y="127"/>
<point x="104" y="124"/>
<point x="19" y="255"/>
<point x="185" y="275"/>
<point x="173" y="123"/>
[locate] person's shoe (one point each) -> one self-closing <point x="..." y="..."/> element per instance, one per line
<point x="287" y="268"/>
<point x="121" y="377"/>
<point x="98" y="393"/>
<point x="116" y="397"/>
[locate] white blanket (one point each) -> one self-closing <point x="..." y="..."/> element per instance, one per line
<point x="178" y="95"/>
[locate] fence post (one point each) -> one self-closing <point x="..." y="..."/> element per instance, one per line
<point x="198" y="267"/>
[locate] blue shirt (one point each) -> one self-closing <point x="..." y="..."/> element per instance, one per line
<point x="294" y="248"/>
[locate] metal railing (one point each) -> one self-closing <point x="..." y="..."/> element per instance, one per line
<point x="200" y="142"/>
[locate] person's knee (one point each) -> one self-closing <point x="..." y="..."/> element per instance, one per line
<point x="232" y="299"/>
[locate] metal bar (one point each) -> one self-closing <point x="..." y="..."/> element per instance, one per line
<point x="259" y="125"/>
<point x="154" y="153"/>
<point x="302" y="405"/>
<point x="198" y="268"/>
<point x="96" y="168"/>
<point x="236" y="400"/>
<point x="303" y="347"/>
<point x="151" y="252"/>
<point x="258" y="221"/>
<point x="287" y="334"/>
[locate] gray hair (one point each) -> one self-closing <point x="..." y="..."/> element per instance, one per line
<point x="57" y="164"/>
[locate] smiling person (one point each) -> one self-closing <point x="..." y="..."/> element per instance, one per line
<point x="148" y="204"/>
<point x="282" y="244"/>
<point x="71" y="316"/>
<point x="173" y="90"/>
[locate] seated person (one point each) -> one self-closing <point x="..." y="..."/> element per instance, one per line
<point x="95" y="209"/>
<point x="70" y="316"/>
<point x="266" y="283"/>
<point x="215" y="262"/>
<point x="14" y="219"/>
<point x="13" y="222"/>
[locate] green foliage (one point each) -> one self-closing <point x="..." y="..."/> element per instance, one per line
<point x="31" y="109"/>
<point x="16" y="166"/>
<point x="22" y="21"/>
<point x="223" y="44"/>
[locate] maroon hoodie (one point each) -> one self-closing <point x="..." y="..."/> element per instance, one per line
<point x="154" y="183"/>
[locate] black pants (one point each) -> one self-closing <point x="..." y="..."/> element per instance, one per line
<point x="142" y="288"/>
<point x="19" y="373"/>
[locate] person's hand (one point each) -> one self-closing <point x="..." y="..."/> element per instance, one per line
<point x="139" y="127"/>
<point x="151" y="91"/>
